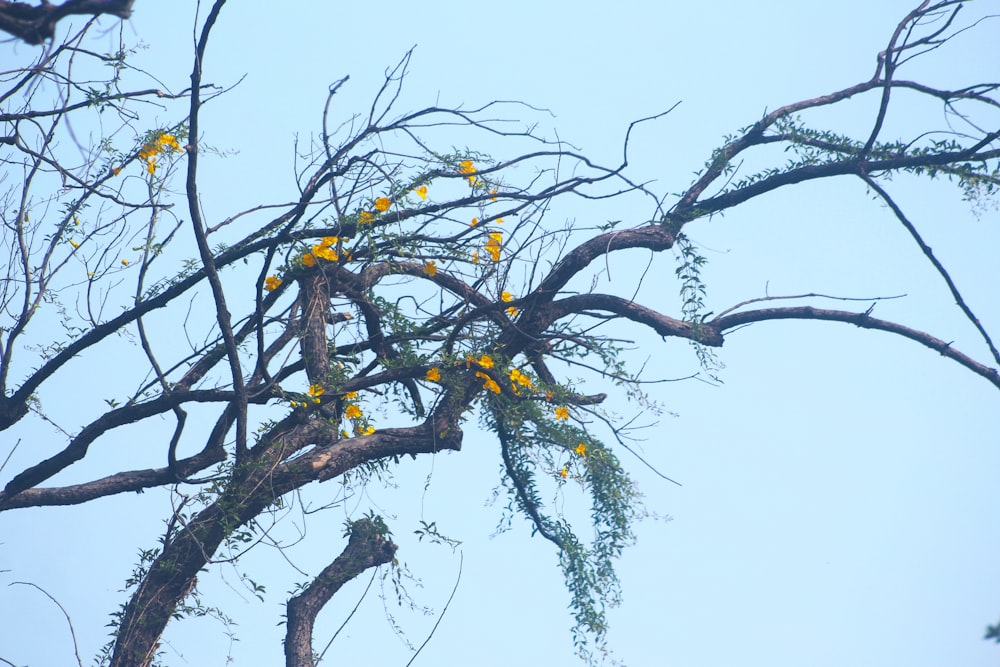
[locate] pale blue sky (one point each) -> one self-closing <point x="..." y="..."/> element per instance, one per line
<point x="839" y="495"/>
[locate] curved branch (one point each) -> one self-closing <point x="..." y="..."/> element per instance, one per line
<point x="366" y="548"/>
<point x="863" y="320"/>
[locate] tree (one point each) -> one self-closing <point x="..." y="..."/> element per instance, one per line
<point x="406" y="276"/>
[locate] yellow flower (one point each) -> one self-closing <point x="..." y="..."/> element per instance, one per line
<point x="433" y="375"/>
<point x="581" y="449"/>
<point x="430" y="267"/>
<point x="422" y="191"/>
<point x="500" y="221"/>
<point x="368" y="430"/>
<point x="493" y="192"/>
<point x="316" y="390"/>
<point x="475" y="257"/>
<point x="493" y="245"/>
<point x="475" y="221"/>
<point x="564" y="472"/>
<point x="168" y="141"/>
<point x="124" y="262"/>
<point x="271" y="283"/>
<point x="562" y="412"/>
<point x="324" y="251"/>
<point x="352" y="412"/>
<point x="345" y="434"/>
<point x="519" y="378"/>
<point x="350" y="395"/>
<point x="151" y="165"/>
<point x="308" y="259"/>
<point x="489" y="383"/>
<point x="466" y="167"/>
<point x="74" y="243"/>
<point x="486" y="361"/>
<point x="549" y="395"/>
<point x="506" y="296"/>
<point x="512" y="311"/>
<point x="329" y="241"/>
<point x="365" y="217"/>
<point x="115" y="171"/>
<point x="382" y="204"/>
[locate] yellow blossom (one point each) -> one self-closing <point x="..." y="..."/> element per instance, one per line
<point x="549" y="395"/>
<point x="488" y="382"/>
<point x="519" y="378"/>
<point x="433" y="375"/>
<point x="493" y="245"/>
<point x="422" y="191"/>
<point x="564" y="472"/>
<point x="308" y="259"/>
<point x="168" y="141"/>
<point x="562" y="412"/>
<point x="493" y="192"/>
<point x="368" y="430"/>
<point x="512" y="311"/>
<point x="345" y="434"/>
<point x="324" y="251"/>
<point x="506" y="296"/>
<point x="350" y="395"/>
<point x="74" y="243"/>
<point x="466" y="167"/>
<point x="271" y="283"/>
<point x="151" y="165"/>
<point x="500" y="221"/>
<point x="430" y="267"/>
<point x="475" y="257"/>
<point x="316" y="390"/>
<point x="115" y="171"/>
<point x="581" y="449"/>
<point x="475" y="221"/>
<point x="365" y="217"/>
<point x="382" y="204"/>
<point x="486" y="361"/>
<point x="124" y="262"/>
<point x="330" y="241"/>
<point x="352" y="412"/>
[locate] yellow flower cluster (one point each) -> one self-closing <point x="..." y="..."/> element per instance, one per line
<point x="488" y="382"/>
<point x="354" y="413"/>
<point x="271" y="283"/>
<point x="507" y="297"/>
<point x="519" y="378"/>
<point x="466" y="167"/>
<point x="493" y="245"/>
<point x="430" y="267"/>
<point x="314" y="392"/>
<point x="325" y="249"/>
<point x="433" y="375"/>
<point x="421" y="191"/>
<point x="365" y="218"/>
<point x="562" y="412"/>
<point x="486" y="361"/>
<point x="162" y="144"/>
<point x="382" y="204"/>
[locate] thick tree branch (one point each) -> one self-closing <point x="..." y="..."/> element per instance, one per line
<point x="34" y="25"/>
<point x="366" y="548"/>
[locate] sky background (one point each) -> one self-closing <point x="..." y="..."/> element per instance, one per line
<point x="839" y="495"/>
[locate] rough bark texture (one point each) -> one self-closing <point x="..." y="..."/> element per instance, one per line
<point x="34" y="25"/>
<point x="366" y="548"/>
